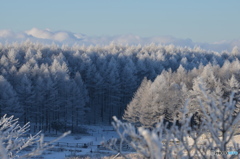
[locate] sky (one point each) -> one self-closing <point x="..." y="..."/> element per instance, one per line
<point x="202" y="21"/>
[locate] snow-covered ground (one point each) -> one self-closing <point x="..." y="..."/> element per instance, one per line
<point x="87" y="144"/>
<point x="81" y="144"/>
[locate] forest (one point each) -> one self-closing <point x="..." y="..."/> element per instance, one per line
<point x="62" y="87"/>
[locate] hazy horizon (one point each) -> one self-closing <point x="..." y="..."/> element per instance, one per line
<point x="203" y="21"/>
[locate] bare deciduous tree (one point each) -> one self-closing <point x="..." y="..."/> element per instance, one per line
<point x="14" y="140"/>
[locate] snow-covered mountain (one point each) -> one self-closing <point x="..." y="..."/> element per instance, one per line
<point x="67" y="37"/>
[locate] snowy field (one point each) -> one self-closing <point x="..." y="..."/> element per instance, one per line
<point x="66" y="151"/>
<point x="81" y="144"/>
<point x="87" y="145"/>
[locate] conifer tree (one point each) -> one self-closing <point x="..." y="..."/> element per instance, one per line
<point x="26" y="97"/>
<point x="133" y="111"/>
<point x="8" y="99"/>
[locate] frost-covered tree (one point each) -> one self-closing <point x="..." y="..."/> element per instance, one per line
<point x="155" y="100"/>
<point x="224" y="72"/>
<point x="218" y="126"/>
<point x="8" y="99"/>
<point x="148" y="114"/>
<point x="76" y="102"/>
<point x="13" y="57"/>
<point x="208" y="76"/>
<point x="196" y="93"/>
<point x="80" y="98"/>
<point x="168" y="97"/>
<point x="95" y="86"/>
<point x="13" y="140"/>
<point x="235" y="51"/>
<point x="50" y="104"/>
<point x="4" y="62"/>
<point x="111" y="74"/>
<point x="25" y="97"/>
<point x="58" y="91"/>
<point x="38" y="98"/>
<point x="128" y="83"/>
<point x="233" y="85"/>
<point x="112" y="98"/>
<point x="133" y="112"/>
<point x="181" y="75"/>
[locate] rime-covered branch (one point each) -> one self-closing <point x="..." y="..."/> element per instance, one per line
<point x="215" y="132"/>
<point x="14" y="142"/>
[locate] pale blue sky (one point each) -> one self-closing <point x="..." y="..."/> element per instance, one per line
<point x="201" y="21"/>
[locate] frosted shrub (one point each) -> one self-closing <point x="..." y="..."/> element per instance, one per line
<point x="13" y="140"/>
<point x="215" y="133"/>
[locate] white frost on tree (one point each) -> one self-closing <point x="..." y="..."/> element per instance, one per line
<point x="13" y="140"/>
<point x="134" y="112"/>
<point x="218" y="125"/>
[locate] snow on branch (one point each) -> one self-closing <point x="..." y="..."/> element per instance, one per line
<point x="216" y="132"/>
<point x="13" y="140"/>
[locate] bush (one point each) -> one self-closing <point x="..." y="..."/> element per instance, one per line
<point x="218" y="125"/>
<point x="13" y="142"/>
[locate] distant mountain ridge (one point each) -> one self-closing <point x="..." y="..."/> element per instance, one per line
<point x="67" y="37"/>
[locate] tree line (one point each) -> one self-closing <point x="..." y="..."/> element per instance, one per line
<point x="62" y="87"/>
<point x="166" y="96"/>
